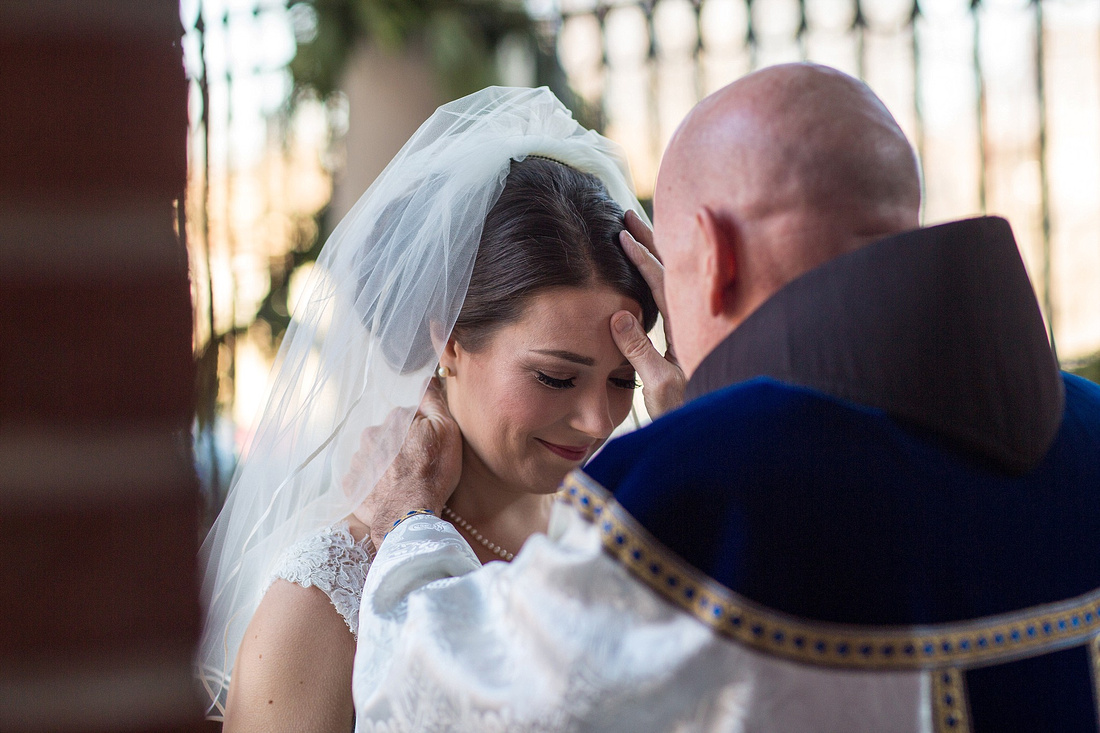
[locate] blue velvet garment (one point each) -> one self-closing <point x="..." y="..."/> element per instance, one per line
<point x="833" y="511"/>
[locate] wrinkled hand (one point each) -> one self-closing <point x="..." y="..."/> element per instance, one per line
<point x="377" y="446"/>
<point x="425" y="471"/>
<point x="662" y="378"/>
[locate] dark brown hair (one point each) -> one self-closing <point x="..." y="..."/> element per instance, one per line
<point x="553" y="226"/>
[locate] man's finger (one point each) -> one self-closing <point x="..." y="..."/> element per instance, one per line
<point x="433" y="405"/>
<point x="652" y="271"/>
<point x="662" y="381"/>
<point x="637" y="348"/>
<point x="642" y="233"/>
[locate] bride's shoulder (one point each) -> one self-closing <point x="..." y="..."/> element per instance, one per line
<point x="332" y="561"/>
<point x="300" y="632"/>
<point x="295" y="635"/>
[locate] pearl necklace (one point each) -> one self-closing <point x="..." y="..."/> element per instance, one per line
<point x="492" y="547"/>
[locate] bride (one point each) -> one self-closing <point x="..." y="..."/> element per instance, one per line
<point x="484" y="255"/>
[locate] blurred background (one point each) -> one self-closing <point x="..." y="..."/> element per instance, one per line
<point x="296" y="106"/>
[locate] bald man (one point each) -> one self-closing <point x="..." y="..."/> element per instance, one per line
<point x="876" y="511"/>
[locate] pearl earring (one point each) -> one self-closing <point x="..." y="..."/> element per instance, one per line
<point x="443" y="372"/>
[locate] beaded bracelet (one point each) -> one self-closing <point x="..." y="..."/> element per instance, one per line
<point x="413" y="513"/>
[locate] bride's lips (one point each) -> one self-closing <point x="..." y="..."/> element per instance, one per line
<point x="568" y="452"/>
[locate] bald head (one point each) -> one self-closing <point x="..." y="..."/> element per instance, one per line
<point x="795" y="164"/>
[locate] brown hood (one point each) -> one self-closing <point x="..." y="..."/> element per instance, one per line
<point x="939" y="327"/>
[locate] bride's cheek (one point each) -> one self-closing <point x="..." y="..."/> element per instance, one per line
<point x="621" y="401"/>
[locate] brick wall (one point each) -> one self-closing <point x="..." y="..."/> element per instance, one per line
<point x="98" y="501"/>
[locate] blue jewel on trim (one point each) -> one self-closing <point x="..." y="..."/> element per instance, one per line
<point x="735" y="620"/>
<point x="1062" y="624"/>
<point x="572" y="490"/>
<point x="1076" y="621"/>
<point x="585" y="500"/>
<point x="799" y="642"/>
<point x="1031" y="631"/>
<point x="1088" y="617"/>
<point x="947" y="647"/>
<point x="1015" y="634"/>
<point x="842" y="649"/>
<point x="619" y="539"/>
<point x="982" y="642"/>
<point x="1047" y="628"/>
<point x="888" y="650"/>
<point x="964" y="645"/>
<point x="607" y="527"/>
<point x="717" y="612"/>
<point x="998" y="638"/>
<point x="689" y="593"/>
<point x="757" y="630"/>
<point x="636" y="554"/>
<point x="865" y="650"/>
<point x="672" y="581"/>
<point x="820" y="647"/>
<point x="598" y="511"/>
<point x="948" y="700"/>
<point x="951" y="721"/>
<point x="778" y="637"/>
<point x="655" y="569"/>
<point x="929" y="649"/>
<point x="910" y="649"/>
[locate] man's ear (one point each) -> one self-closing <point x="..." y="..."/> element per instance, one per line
<point x="719" y="272"/>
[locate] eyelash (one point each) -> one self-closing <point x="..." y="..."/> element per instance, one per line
<point x="568" y="383"/>
<point x="554" y="383"/>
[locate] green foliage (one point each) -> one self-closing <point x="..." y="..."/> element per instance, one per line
<point x="275" y="307"/>
<point x="461" y="35"/>
<point x="1089" y="368"/>
<point x="461" y="38"/>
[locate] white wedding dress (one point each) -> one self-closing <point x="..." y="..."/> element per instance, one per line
<point x="333" y="561"/>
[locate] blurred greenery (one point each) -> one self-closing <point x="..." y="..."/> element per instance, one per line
<point x="1089" y="368"/>
<point x="461" y="37"/>
<point x="274" y="309"/>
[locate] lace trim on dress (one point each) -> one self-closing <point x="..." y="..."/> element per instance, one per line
<point x="334" y="562"/>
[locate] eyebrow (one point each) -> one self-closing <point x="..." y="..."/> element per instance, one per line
<point x="570" y="356"/>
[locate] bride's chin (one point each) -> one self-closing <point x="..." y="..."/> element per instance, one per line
<point x="553" y="483"/>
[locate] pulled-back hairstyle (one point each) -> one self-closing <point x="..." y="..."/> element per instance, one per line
<point x="553" y="226"/>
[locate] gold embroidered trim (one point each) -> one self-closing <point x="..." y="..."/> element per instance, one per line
<point x="950" y="711"/>
<point x="993" y="639"/>
<point x="1094" y="665"/>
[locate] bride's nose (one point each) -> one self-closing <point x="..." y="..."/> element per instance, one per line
<point x="592" y="414"/>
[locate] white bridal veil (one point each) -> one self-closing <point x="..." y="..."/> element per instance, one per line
<point x="365" y="338"/>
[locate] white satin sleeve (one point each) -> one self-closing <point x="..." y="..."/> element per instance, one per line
<point x="565" y="639"/>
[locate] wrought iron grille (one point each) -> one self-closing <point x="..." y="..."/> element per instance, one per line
<point x="1001" y="99"/>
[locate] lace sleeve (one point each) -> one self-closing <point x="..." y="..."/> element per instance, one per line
<point x="334" y="562"/>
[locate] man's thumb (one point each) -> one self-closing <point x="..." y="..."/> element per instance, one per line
<point x="632" y="340"/>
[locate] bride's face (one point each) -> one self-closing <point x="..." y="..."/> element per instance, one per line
<point x="545" y="391"/>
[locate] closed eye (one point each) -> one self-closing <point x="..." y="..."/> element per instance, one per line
<point x="631" y="383"/>
<point x="554" y="383"/>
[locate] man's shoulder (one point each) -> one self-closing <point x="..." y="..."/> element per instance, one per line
<point x="746" y="402"/>
<point x="737" y="425"/>
<point x="1081" y="421"/>
<point x="755" y="401"/>
<point x="1081" y="393"/>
